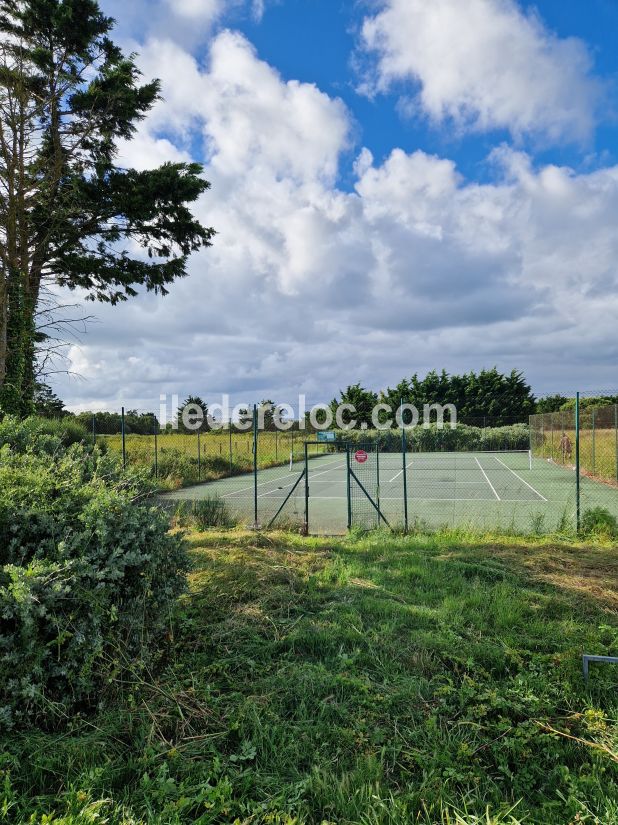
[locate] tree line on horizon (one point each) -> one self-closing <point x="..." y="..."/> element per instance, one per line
<point x="486" y="398"/>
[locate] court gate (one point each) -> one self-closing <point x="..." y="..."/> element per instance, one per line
<point x="357" y="468"/>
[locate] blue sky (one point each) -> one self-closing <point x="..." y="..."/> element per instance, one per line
<point x="317" y="41"/>
<point x="398" y="185"/>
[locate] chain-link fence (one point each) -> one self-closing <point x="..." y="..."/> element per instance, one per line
<point x="580" y="443"/>
<point x="517" y="477"/>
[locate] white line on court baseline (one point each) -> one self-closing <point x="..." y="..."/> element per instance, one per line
<point x="434" y="483"/>
<point x="487" y="479"/>
<point x="447" y="500"/>
<point x="523" y="480"/>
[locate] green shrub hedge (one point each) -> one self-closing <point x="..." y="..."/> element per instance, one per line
<point x="88" y="574"/>
<point x="461" y="439"/>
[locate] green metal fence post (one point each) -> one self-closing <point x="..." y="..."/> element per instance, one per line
<point x="616" y="432"/>
<point x="577" y="462"/>
<point x="349" y="486"/>
<point x="306" y="488"/>
<point x="199" y="457"/>
<point x="155" y="424"/>
<point x="377" y="449"/>
<point x="255" y="464"/>
<point x="124" y="440"/>
<point x="231" y="449"/>
<point x="404" y="453"/>
<point x="594" y="457"/>
<point x="94" y="430"/>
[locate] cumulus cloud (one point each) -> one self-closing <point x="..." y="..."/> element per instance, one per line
<point x="483" y="65"/>
<point x="189" y="22"/>
<point x="308" y="286"/>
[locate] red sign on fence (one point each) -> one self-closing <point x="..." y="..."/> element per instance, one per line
<point x="361" y="456"/>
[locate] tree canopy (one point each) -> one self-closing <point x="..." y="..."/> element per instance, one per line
<point x="69" y="215"/>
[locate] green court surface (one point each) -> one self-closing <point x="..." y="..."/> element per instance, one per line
<point x="502" y="490"/>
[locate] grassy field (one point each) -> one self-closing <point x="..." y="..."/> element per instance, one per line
<point x="598" y="451"/>
<point x="183" y="459"/>
<point x="373" y="679"/>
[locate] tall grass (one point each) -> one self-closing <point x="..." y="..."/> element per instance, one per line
<point x="380" y="680"/>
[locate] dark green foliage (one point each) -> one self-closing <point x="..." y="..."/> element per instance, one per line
<point x="600" y="522"/>
<point x="363" y="402"/>
<point x="87" y="575"/>
<point x="109" y="423"/>
<point x="47" y="404"/>
<point x="67" y="96"/>
<point x="485" y="397"/>
<point x="193" y="401"/>
<point x="551" y="403"/>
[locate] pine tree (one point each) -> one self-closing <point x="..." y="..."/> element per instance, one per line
<point x="68" y="214"/>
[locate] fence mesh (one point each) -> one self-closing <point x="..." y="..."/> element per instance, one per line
<point x="516" y="477"/>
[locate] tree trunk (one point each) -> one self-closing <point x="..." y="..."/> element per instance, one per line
<point x="3" y="328"/>
<point x="17" y="388"/>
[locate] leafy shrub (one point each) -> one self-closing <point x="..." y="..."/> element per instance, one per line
<point x="31" y="434"/>
<point x="599" y="522"/>
<point x="87" y="576"/>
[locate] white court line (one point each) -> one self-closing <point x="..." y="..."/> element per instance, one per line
<point x="432" y="500"/>
<point x="523" y="480"/>
<point x="263" y="483"/>
<point x="487" y="479"/>
<point x="400" y="473"/>
<point x="291" y="484"/>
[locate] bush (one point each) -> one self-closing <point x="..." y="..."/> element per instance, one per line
<point x="41" y="434"/>
<point x="599" y="522"/>
<point x="87" y="576"/>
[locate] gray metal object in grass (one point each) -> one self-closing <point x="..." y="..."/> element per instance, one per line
<point x="587" y="658"/>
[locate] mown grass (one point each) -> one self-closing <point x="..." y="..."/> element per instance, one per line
<point x="374" y="679"/>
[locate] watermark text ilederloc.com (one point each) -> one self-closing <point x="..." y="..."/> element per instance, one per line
<point x="318" y="417"/>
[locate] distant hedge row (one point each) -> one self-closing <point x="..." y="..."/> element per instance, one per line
<point x="432" y="439"/>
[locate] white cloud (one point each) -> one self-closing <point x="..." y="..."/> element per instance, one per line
<point x="188" y="22"/>
<point x="484" y="65"/>
<point x="308" y="287"/>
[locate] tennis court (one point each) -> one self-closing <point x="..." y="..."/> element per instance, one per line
<point x="507" y="490"/>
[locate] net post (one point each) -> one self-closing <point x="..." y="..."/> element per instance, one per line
<point x="529" y="459"/>
<point x="404" y="451"/>
<point x="124" y="440"/>
<point x="577" y="466"/>
<point x="255" y="465"/>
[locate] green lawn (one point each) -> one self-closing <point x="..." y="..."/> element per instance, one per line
<point x="374" y="679"/>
